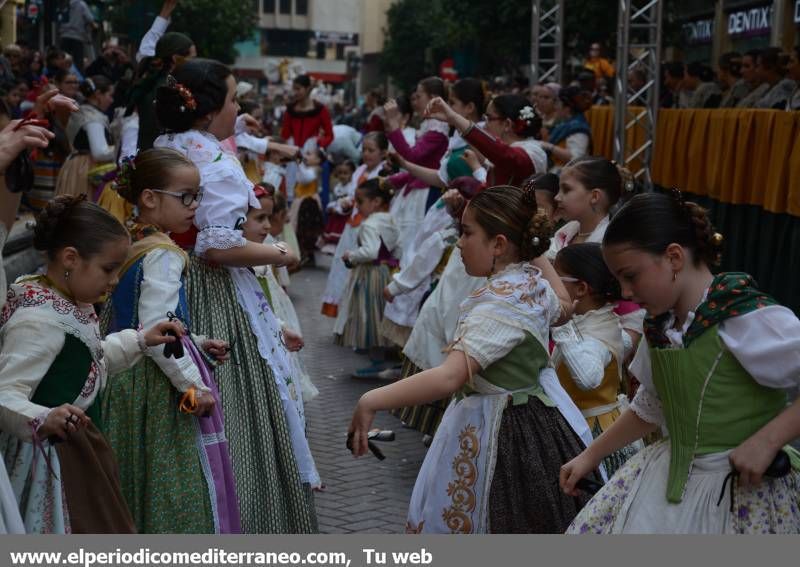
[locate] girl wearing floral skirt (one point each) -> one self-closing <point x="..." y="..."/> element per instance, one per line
<point x="162" y="416"/>
<point x="718" y="354"/>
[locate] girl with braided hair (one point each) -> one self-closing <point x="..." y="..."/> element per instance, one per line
<point x="507" y="424"/>
<point x="717" y="358"/>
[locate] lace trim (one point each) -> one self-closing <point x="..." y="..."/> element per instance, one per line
<point x="648" y="407"/>
<point x="218" y="238"/>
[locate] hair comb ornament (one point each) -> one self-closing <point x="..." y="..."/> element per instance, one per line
<point x="188" y="99"/>
<point x="717" y="239"/>
<point x="535" y="241"/>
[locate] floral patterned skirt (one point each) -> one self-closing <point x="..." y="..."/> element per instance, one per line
<point x="634" y="500"/>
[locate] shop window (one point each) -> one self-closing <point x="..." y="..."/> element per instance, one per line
<point x="268" y="7"/>
<point x="301" y="7"/>
<point x="286" y="6"/>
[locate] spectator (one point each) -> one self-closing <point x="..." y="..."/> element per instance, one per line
<point x="771" y="70"/>
<point x="673" y="77"/>
<point x="6" y="67"/>
<point x="637" y="79"/>
<point x="597" y="64"/>
<point x="602" y="95"/>
<point x="56" y="60"/>
<point x="35" y="73"/>
<point x="14" y="63"/>
<point x="793" y="72"/>
<point x="346" y="144"/>
<point x="14" y="96"/>
<point x="112" y="63"/>
<point x="68" y="83"/>
<point x="571" y="138"/>
<point x="76" y="31"/>
<point x="699" y="86"/>
<point x="750" y="76"/>
<point x="546" y="103"/>
<point x="729" y="76"/>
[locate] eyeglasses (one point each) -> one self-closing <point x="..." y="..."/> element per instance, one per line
<point x="186" y="198"/>
<point x="487" y="118"/>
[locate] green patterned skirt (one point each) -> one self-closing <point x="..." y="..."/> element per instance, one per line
<point x="160" y="470"/>
<point x="272" y="498"/>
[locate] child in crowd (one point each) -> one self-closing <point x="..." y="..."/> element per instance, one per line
<point x="258" y="228"/>
<point x="53" y="365"/>
<point x="590" y="349"/>
<point x="359" y="320"/>
<point x="340" y="205"/>
<point x="717" y="357"/>
<point x="373" y="154"/>
<point x="503" y="437"/>
<point x="305" y="211"/>
<point x="162" y="417"/>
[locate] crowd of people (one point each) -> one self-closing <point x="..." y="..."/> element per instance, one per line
<point x="566" y="345"/>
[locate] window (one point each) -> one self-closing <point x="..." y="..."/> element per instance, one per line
<point x="301" y="7"/>
<point x="285" y="43"/>
<point x="286" y="6"/>
<point x="269" y="7"/>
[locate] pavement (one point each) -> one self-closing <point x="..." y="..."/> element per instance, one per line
<point x="361" y="495"/>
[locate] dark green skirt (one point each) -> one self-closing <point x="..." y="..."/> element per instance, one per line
<point x="272" y="498"/>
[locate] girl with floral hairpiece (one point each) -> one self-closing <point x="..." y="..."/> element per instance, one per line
<point x="491" y="467"/>
<point x="162" y="417"/>
<point x="718" y="357"/>
<point x="508" y="139"/>
<point x="274" y="469"/>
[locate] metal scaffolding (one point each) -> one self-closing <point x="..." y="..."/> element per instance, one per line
<point x="636" y="113"/>
<point x="547" y="43"/>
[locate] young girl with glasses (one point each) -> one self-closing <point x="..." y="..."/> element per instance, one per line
<point x="163" y="417"/>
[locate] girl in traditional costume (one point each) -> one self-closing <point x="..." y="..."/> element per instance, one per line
<point x="359" y="321"/>
<point x="53" y="365"/>
<point x="162" y="416"/>
<point x="717" y="357"/>
<point x="373" y="154"/>
<point x="591" y="348"/>
<point x="493" y="461"/>
<point x="264" y="422"/>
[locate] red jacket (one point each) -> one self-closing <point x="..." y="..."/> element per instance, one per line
<point x="304" y="125"/>
<point x="512" y="165"/>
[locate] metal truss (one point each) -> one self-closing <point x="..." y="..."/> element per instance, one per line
<point x="636" y="113"/>
<point x="547" y="43"/>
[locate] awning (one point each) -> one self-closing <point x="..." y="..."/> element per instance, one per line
<point x="329" y="77"/>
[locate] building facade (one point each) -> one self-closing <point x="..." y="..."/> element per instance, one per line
<point x="337" y="41"/>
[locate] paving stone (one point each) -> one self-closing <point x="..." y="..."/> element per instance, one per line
<point x="361" y="495"/>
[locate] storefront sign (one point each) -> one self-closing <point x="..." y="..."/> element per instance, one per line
<point x="700" y="31"/>
<point x="336" y="37"/>
<point x="750" y="22"/>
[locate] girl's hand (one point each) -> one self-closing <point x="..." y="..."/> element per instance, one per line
<point x="292" y="340"/>
<point x="751" y="459"/>
<point x="472" y="160"/>
<point x="52" y="101"/>
<point x="396" y="159"/>
<point x="219" y="349"/>
<point x="360" y="425"/>
<point x="156" y="334"/>
<point x="62" y="421"/>
<point x="287" y="150"/>
<point x="253" y="125"/>
<point x="346" y="256"/>
<point x="453" y="200"/>
<point x="167" y="8"/>
<point x="573" y="471"/>
<point x="392" y="118"/>
<point x="387" y="295"/>
<point x="205" y="404"/>
<point x="438" y="109"/>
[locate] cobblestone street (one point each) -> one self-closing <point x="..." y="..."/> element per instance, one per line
<point x="362" y="495"/>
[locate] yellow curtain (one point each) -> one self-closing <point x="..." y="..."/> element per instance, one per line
<point x="741" y="157"/>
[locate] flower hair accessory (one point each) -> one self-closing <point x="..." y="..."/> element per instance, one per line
<point x="188" y="99"/>
<point x="527" y="114"/>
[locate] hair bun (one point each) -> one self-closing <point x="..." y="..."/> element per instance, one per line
<point x="45" y="232"/>
<point x="536" y="237"/>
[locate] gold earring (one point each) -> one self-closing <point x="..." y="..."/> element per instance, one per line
<point x="66" y="274"/>
<point x="674" y="276"/>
